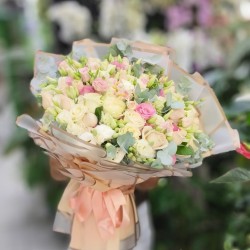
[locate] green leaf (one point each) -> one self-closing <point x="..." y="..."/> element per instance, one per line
<point x="125" y="141"/>
<point x="174" y="104"/>
<point x="183" y="150"/>
<point x="137" y="69"/>
<point x="157" y="164"/>
<point x="111" y="151"/>
<point x="234" y="175"/>
<point x="98" y="113"/>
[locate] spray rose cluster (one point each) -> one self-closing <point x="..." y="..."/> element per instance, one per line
<point x="128" y="107"/>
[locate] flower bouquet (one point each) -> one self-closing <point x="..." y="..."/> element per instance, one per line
<point x="116" y="115"/>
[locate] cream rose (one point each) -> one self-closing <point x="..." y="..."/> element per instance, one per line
<point x="92" y="101"/>
<point x="179" y="136"/>
<point x="177" y="114"/>
<point x="102" y="133"/>
<point x="129" y="127"/>
<point x="134" y="118"/>
<point x="144" y="149"/>
<point x="113" y="105"/>
<point x="156" y="139"/>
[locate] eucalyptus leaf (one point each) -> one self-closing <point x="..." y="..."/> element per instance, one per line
<point x="184" y="86"/>
<point x="125" y="141"/>
<point x="111" y="151"/>
<point x="234" y="175"/>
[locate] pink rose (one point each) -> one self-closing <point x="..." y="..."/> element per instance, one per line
<point x="85" y="74"/>
<point x="100" y="85"/>
<point x="86" y="89"/>
<point x="119" y="65"/>
<point x="175" y="127"/>
<point x="69" y="80"/>
<point x="146" y="110"/>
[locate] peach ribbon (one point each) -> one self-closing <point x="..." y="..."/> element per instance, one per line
<point x="107" y="207"/>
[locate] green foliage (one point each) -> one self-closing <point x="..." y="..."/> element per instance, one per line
<point x="125" y="141"/>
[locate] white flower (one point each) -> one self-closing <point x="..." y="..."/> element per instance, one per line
<point x="75" y="129"/>
<point x="92" y="101"/>
<point x="177" y="114"/>
<point x="179" y="136"/>
<point x="46" y="99"/>
<point x="74" y="20"/>
<point x="64" y="117"/>
<point x="134" y="118"/>
<point x="63" y="101"/>
<point x="102" y="133"/>
<point x="107" y="119"/>
<point x="144" y="149"/>
<point x="78" y="111"/>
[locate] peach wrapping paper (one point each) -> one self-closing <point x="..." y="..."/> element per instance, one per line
<point x="85" y="231"/>
<point x="86" y="165"/>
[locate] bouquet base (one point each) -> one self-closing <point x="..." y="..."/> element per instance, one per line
<point x="118" y="229"/>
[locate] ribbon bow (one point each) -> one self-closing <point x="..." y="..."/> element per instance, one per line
<point x="107" y="207"/>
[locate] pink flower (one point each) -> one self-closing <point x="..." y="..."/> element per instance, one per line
<point x="146" y="110"/>
<point x="175" y="127"/>
<point x="161" y="93"/>
<point x="100" y="85"/>
<point x="85" y="74"/>
<point x="69" y="80"/>
<point x="119" y="65"/>
<point x="243" y="150"/>
<point x="86" y="89"/>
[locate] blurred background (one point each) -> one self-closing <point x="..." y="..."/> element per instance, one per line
<point x="209" y="36"/>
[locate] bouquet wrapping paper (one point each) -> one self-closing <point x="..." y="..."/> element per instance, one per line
<point x="97" y="208"/>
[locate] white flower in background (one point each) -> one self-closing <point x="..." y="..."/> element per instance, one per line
<point x="74" y="20"/>
<point x="77" y="112"/>
<point x="102" y="133"/>
<point x="90" y="120"/>
<point x="113" y="106"/>
<point x="123" y="23"/>
<point x="87" y="136"/>
<point x="144" y="149"/>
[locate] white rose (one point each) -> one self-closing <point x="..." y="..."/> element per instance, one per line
<point x="63" y="83"/>
<point x="144" y="149"/>
<point x="113" y="105"/>
<point x="92" y="101"/>
<point x="77" y="112"/>
<point x="127" y="86"/>
<point x="64" y="117"/>
<point x="75" y="129"/>
<point x="102" y="133"/>
<point x="129" y="127"/>
<point x="156" y="139"/>
<point x="134" y="118"/>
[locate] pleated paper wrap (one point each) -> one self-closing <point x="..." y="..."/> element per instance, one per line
<point x="97" y="208"/>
